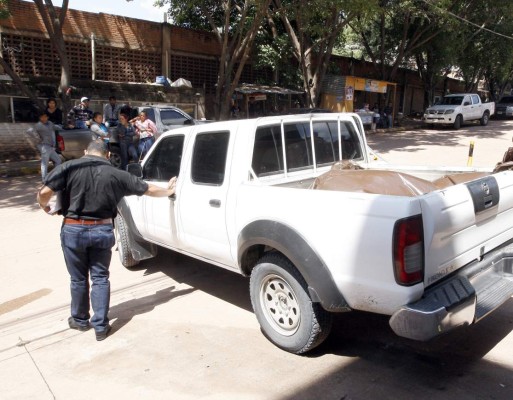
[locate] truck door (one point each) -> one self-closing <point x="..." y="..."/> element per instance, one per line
<point x="202" y="197"/>
<point x="160" y="212"/>
<point x="477" y="107"/>
<point x="467" y="109"/>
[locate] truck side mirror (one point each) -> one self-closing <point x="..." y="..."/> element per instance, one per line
<point x="467" y="103"/>
<point x="188" y="122"/>
<point x="135" y="169"/>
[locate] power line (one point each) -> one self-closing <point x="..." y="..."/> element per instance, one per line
<point x="482" y="27"/>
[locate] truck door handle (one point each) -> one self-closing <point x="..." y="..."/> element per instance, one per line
<point x="215" y="203"/>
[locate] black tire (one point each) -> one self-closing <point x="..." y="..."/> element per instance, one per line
<point x="485" y="118"/>
<point x="457" y="122"/>
<point x="123" y="241"/>
<point x="283" y="307"/>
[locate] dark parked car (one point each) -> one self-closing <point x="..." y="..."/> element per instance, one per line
<point x="504" y="107"/>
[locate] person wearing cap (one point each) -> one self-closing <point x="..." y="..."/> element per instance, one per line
<point x="79" y="116"/>
<point x="91" y="189"/>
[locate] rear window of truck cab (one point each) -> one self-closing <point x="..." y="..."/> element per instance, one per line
<point x="302" y="149"/>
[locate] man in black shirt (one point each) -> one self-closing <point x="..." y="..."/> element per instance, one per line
<point x="91" y="189"/>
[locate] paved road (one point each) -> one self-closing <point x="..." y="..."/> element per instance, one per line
<point x="446" y="146"/>
<point x="183" y="329"/>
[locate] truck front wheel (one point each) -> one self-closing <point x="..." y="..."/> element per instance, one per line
<point x="283" y="307"/>
<point x="485" y="118"/>
<point x="123" y="241"/>
<point x="457" y="122"/>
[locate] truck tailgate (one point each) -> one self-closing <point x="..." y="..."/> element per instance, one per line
<point x="464" y="222"/>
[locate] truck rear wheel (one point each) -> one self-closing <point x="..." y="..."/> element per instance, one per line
<point x="123" y="241"/>
<point x="287" y="315"/>
<point x="457" y="122"/>
<point x="485" y="118"/>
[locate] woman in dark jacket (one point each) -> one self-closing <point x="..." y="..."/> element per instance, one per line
<point x="54" y="113"/>
<point x="126" y="133"/>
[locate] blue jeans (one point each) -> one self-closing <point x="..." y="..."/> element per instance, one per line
<point x="144" y="145"/>
<point x="127" y="151"/>
<point x="87" y="251"/>
<point x="47" y="153"/>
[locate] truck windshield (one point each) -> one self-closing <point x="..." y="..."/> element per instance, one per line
<point x="451" y="101"/>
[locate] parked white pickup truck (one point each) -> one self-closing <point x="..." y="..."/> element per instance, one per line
<point x="455" y="109"/>
<point x="296" y="203"/>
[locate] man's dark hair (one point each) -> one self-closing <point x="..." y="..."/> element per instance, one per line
<point x="96" y="114"/>
<point x="51" y="99"/>
<point x="40" y="113"/>
<point x="98" y="147"/>
<point x="112" y="98"/>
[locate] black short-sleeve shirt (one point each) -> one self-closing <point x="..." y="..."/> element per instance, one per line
<point x="92" y="187"/>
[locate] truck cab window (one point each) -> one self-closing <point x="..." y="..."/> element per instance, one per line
<point x="172" y="117"/>
<point x="268" y="151"/>
<point x="351" y="149"/>
<point x="209" y="158"/>
<point x="298" y="146"/>
<point x="164" y="162"/>
<point x="325" y="142"/>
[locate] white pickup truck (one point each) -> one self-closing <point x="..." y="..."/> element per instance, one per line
<point x="296" y="203"/>
<point x="455" y="109"/>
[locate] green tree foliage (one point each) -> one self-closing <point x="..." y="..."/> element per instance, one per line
<point x="235" y="25"/>
<point x="485" y="30"/>
<point x="314" y="29"/>
<point x="4" y="9"/>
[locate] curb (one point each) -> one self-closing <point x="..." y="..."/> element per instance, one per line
<point x="8" y="170"/>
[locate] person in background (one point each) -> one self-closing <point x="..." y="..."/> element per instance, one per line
<point x="79" y="116"/>
<point x="126" y="133"/>
<point x="146" y="130"/>
<point x="99" y="129"/>
<point x="46" y="132"/>
<point x="54" y="113"/>
<point x="111" y="112"/>
<point x="389" y="111"/>
<point x="91" y="190"/>
<point x="126" y="109"/>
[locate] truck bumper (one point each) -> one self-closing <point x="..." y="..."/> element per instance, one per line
<point x="439" y="119"/>
<point x="465" y="298"/>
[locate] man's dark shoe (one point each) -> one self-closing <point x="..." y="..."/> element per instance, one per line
<point x="74" y="325"/>
<point x="103" y="334"/>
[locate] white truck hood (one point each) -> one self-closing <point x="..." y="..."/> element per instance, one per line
<point x="441" y="107"/>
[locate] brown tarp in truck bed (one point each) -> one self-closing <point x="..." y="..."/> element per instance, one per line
<point x="347" y="177"/>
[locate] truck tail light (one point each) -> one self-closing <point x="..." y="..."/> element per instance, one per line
<point x="408" y="248"/>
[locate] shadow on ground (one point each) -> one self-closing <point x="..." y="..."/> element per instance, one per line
<point x="416" y="140"/>
<point x="19" y="191"/>
<point x="381" y="365"/>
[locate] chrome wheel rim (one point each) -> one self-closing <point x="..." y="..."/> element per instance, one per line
<point x="279" y="304"/>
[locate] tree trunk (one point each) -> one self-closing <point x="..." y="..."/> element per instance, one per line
<point x="22" y="85"/>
